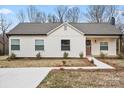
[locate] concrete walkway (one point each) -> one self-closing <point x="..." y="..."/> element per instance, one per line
<point x="99" y="64"/>
<point x="22" y="77"/>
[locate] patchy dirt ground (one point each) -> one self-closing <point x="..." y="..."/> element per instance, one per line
<point x="83" y="79"/>
<point x="117" y="63"/>
<point x="46" y="63"/>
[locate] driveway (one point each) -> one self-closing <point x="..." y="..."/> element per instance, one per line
<point x="22" y="77"/>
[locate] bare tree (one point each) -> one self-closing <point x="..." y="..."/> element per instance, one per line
<point x="32" y="13"/>
<point x="100" y="13"/>
<point x="111" y="12"/>
<point x="4" y="26"/>
<point x="35" y="15"/>
<point x="95" y="13"/>
<point x="40" y="17"/>
<point x="73" y="15"/>
<point x="44" y="17"/>
<point x="120" y="25"/>
<point x="52" y="18"/>
<point x="21" y="16"/>
<point x="60" y="12"/>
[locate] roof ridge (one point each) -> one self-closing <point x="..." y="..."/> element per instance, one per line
<point x="38" y="23"/>
<point x="89" y="23"/>
<point x="61" y="23"/>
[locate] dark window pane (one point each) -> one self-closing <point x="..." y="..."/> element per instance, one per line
<point x="15" y="47"/>
<point x="39" y="47"/>
<point x="65" y="41"/>
<point x="65" y="44"/>
<point x="103" y="47"/>
<point x="65" y="47"/>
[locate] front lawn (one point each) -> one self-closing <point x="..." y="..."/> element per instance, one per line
<point x="83" y="79"/>
<point x="117" y="63"/>
<point x="45" y="63"/>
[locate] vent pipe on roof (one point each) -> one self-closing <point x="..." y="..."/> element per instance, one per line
<point x="112" y="21"/>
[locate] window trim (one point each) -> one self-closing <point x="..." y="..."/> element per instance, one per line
<point x="15" y="45"/>
<point x="104" y="46"/>
<point x="39" y="45"/>
<point x="65" y="45"/>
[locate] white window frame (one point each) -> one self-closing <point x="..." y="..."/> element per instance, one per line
<point x="62" y="45"/>
<point x="38" y="45"/>
<point x="13" y="45"/>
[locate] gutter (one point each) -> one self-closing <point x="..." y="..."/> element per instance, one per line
<point x="103" y="34"/>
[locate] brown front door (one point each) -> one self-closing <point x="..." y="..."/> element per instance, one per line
<point x="88" y="47"/>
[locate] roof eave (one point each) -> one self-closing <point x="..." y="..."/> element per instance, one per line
<point x="103" y="34"/>
<point x="25" y="34"/>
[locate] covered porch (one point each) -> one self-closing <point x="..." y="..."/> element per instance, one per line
<point x="108" y="45"/>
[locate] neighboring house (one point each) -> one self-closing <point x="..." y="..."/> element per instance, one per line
<point x="53" y="39"/>
<point x="1" y="45"/>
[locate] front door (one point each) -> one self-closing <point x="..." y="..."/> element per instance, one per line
<point x="88" y="47"/>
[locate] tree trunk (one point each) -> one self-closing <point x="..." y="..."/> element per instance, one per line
<point x="3" y="42"/>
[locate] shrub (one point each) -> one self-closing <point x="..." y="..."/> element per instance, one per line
<point x="102" y="55"/>
<point x="62" y="69"/>
<point x="92" y="61"/>
<point x="65" y="55"/>
<point x="38" y="56"/>
<point x="81" y="55"/>
<point x="64" y="62"/>
<point x="8" y="59"/>
<point x="12" y="56"/>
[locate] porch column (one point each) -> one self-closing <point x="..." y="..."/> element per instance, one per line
<point x="119" y="49"/>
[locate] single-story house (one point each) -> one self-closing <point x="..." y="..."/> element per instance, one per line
<point x="53" y="39"/>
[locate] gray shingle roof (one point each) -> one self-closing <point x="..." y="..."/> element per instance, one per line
<point x="33" y="28"/>
<point x="96" y="29"/>
<point x="44" y="28"/>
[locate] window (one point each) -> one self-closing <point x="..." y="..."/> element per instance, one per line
<point x="15" y="44"/>
<point x="39" y="44"/>
<point x="65" y="45"/>
<point x="103" y="45"/>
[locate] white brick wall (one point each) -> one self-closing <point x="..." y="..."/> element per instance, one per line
<point x="52" y="44"/>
